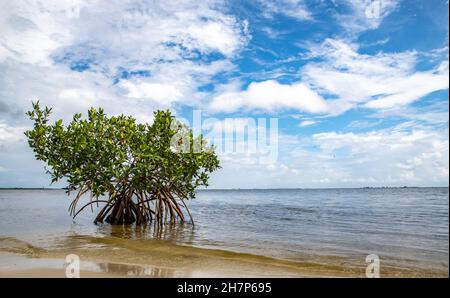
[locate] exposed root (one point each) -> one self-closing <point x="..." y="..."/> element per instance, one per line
<point x="128" y="207"/>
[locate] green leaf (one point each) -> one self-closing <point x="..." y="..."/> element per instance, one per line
<point x="110" y="154"/>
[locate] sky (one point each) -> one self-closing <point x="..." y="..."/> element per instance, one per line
<point x="359" y="89"/>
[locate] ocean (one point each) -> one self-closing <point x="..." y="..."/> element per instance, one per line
<point x="407" y="228"/>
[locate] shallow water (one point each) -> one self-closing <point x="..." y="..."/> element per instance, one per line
<point x="405" y="227"/>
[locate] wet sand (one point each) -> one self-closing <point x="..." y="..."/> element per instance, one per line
<point x="117" y="257"/>
<point x="51" y="273"/>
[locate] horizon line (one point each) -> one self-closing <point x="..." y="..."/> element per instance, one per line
<point x="276" y="188"/>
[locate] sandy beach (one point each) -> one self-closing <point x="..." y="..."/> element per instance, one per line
<point x="115" y="257"/>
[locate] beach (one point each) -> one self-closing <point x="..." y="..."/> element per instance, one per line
<point x="108" y="257"/>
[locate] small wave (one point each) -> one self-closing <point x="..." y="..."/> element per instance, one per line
<point x="13" y="245"/>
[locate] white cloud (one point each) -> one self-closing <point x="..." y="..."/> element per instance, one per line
<point x="163" y="93"/>
<point x="220" y="36"/>
<point x="10" y="134"/>
<point x="410" y="88"/>
<point x="269" y="96"/>
<point x="31" y="31"/>
<point x="39" y="42"/>
<point x="128" y="36"/>
<point x="292" y="8"/>
<point x="170" y="83"/>
<point x="66" y="91"/>
<point x="407" y="154"/>
<point x="363" y="124"/>
<point x="345" y="77"/>
<point x="307" y="123"/>
<point x="18" y="167"/>
<point x="432" y="114"/>
<point x="365" y="14"/>
<point x="380" y="81"/>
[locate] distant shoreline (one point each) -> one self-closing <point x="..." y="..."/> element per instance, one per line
<point x="255" y="189"/>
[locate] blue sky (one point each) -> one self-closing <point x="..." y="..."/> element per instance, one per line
<point x="359" y="88"/>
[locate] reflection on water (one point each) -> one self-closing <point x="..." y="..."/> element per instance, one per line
<point x="176" y="232"/>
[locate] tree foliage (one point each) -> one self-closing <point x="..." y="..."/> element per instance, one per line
<point x="145" y="171"/>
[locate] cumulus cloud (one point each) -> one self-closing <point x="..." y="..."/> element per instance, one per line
<point x="118" y="33"/>
<point x="153" y="49"/>
<point x="166" y="93"/>
<point x="270" y="96"/>
<point x="172" y="84"/>
<point x="66" y="91"/>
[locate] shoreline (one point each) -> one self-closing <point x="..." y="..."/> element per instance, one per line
<point x="114" y="257"/>
<point x="257" y="189"/>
